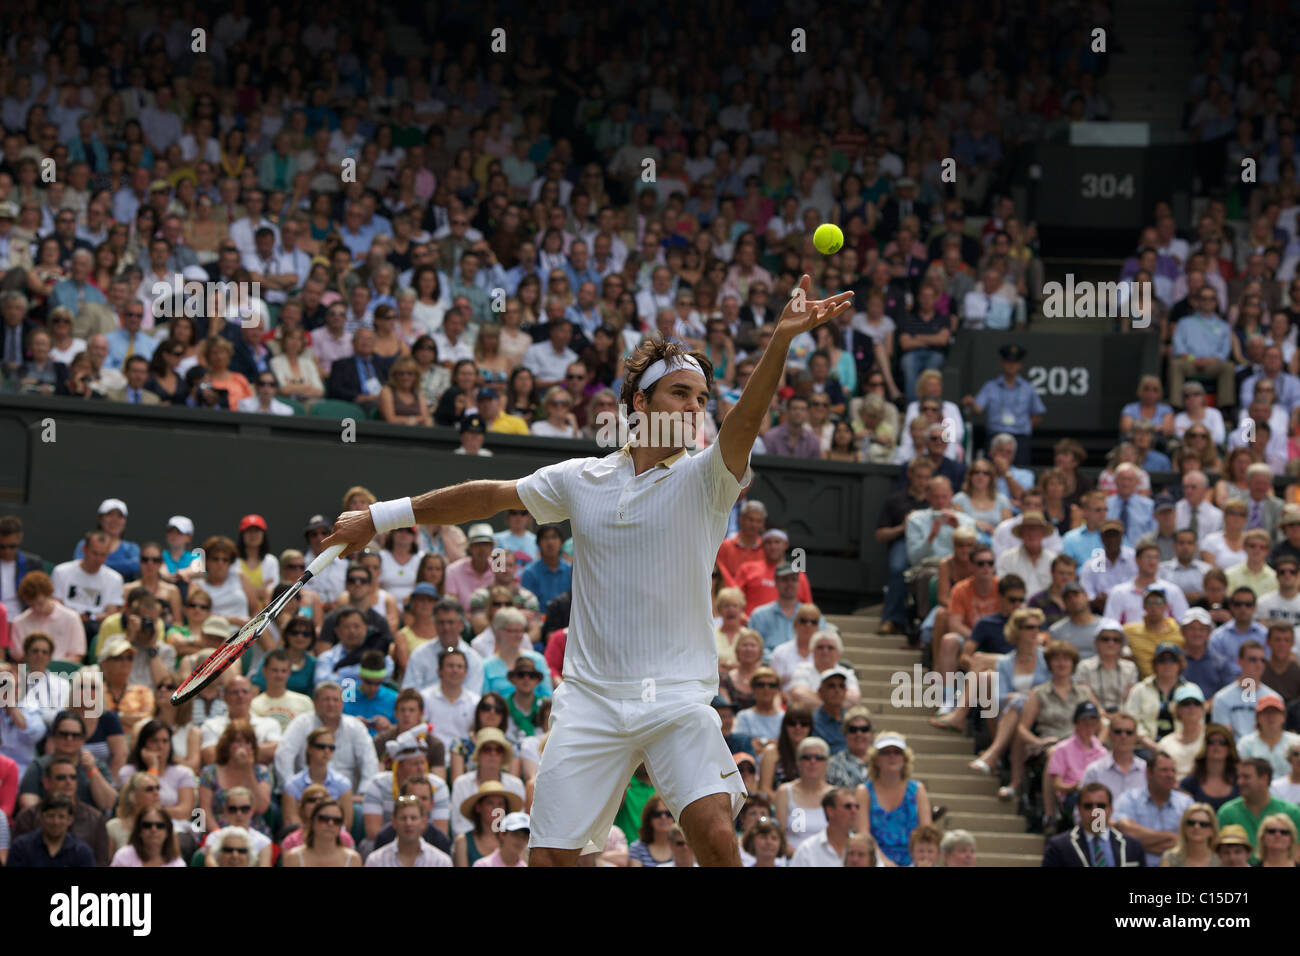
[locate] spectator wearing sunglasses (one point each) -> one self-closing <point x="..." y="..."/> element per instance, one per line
<point x="1095" y="841"/>
<point x="152" y="842"/>
<point x="1122" y="769"/>
<point x="87" y="822"/>
<point x="653" y="846"/>
<point x="139" y="793"/>
<point x="850" y="766"/>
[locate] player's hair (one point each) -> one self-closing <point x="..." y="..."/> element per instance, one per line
<point x="651" y="350"/>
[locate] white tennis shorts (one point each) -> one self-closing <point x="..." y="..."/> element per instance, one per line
<point x="594" y="745"/>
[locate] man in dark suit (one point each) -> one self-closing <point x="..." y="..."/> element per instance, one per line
<point x="360" y="377"/>
<point x="12" y="556"/>
<point x="14" y="328"/>
<point x="901" y="205"/>
<point x="1093" y="842"/>
<point x="955" y="225"/>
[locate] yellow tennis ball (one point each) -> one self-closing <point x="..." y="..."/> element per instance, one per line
<point x="828" y="239"/>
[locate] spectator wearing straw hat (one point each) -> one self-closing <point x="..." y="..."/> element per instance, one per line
<point x="1233" y="846"/>
<point x="487" y="807"/>
<point x="492" y="752"/>
<point x="1030" y="561"/>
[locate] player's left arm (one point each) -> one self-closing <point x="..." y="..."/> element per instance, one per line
<point x="740" y="427"/>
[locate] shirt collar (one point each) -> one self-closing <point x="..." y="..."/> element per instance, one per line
<point x="666" y="463"/>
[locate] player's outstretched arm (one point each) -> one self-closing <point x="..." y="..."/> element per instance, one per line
<point x="801" y="314"/>
<point x="468" y="501"/>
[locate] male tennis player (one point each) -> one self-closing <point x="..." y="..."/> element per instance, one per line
<point x="641" y="665"/>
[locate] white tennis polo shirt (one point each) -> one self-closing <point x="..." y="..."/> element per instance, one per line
<point x="644" y="548"/>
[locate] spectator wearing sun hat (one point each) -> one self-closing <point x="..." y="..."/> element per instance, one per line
<point x="1206" y="667"/>
<point x="492" y="753"/>
<point x="1031" y="562"/>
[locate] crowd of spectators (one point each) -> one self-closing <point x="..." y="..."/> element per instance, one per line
<point x="441" y="236"/>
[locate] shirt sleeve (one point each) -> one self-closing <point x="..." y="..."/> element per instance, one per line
<point x="545" y="492"/>
<point x="723" y="488"/>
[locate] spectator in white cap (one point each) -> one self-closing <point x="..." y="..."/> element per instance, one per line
<point x="829" y="717"/>
<point x="1189" y="728"/>
<point x="409" y="754"/>
<point x="473" y="571"/>
<point x="123" y="555"/>
<point x="1110" y="675"/>
<point x="512" y="844"/>
<point x="180" y="561"/>
<point x="890" y="784"/>
<point x="1206" y="667"/>
<point x="410" y="848"/>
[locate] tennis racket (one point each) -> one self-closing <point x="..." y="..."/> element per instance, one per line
<point x="233" y="649"/>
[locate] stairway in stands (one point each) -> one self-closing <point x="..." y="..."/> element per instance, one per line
<point x="941" y="757"/>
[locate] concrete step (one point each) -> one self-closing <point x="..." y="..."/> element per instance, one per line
<point x="974" y="805"/>
<point x="963" y="782"/>
<point x="932" y="762"/>
<point x="1006" y="822"/>
<point x="1006" y="859"/>
<point x="1019" y="844"/>
<point x="898" y="657"/>
<point x="906" y="722"/>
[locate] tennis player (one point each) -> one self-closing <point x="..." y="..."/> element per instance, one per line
<point x="640" y="666"/>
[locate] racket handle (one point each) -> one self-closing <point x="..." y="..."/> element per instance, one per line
<point x="324" y="559"/>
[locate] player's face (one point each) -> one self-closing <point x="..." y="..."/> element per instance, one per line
<point x="684" y="394"/>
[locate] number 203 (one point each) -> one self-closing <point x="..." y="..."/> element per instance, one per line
<point x="1059" y="380"/>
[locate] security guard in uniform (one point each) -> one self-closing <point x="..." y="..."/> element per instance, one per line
<point x="1012" y="404"/>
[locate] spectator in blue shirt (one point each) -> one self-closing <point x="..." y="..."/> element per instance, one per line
<point x="828" y="719"/>
<point x="1206" y="668"/>
<point x="1144" y="434"/>
<point x="550" y="575"/>
<point x="1286" y="386"/>
<point x="373" y="704"/>
<point x="129" y="339"/>
<point x="1227" y="639"/>
<point x="1203" y="348"/>
<point x="1082" y="542"/>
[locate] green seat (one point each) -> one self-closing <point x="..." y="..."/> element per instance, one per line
<point x="297" y="406"/>
<point x="64" y="667"/>
<point x="333" y="408"/>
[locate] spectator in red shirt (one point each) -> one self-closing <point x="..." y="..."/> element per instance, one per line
<point x="758" y="578"/>
<point x="743" y="546"/>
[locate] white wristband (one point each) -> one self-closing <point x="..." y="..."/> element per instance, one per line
<point x="388" y="515"/>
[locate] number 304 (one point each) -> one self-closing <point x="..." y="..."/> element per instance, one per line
<point x="1059" y="380"/>
<point x="1106" y="186"/>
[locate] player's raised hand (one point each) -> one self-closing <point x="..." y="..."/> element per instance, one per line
<point x="802" y="314"/>
<point x="356" y="529"/>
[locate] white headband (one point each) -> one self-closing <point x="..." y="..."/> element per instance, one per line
<point x="662" y="367"/>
